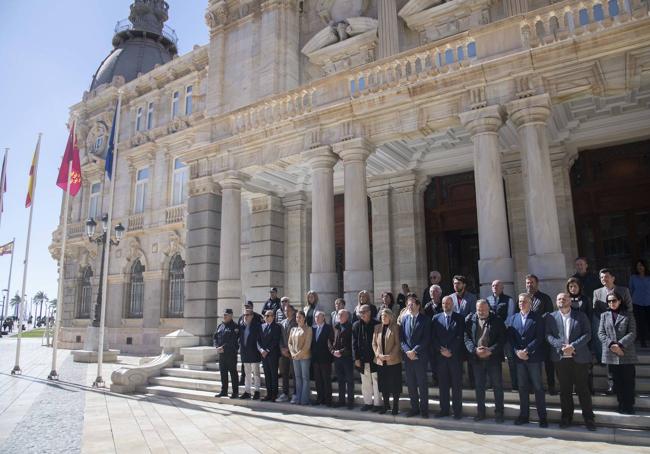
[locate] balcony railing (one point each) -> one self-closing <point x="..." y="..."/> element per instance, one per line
<point x="175" y="214"/>
<point x="136" y="222"/>
<point x="76" y="230"/>
<point x="167" y="32"/>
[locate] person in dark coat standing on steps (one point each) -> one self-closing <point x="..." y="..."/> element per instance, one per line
<point x="341" y="349"/>
<point x="485" y="336"/>
<point x="269" y="347"/>
<point x="249" y="336"/>
<point x="248" y="308"/>
<point x="226" y="341"/>
<point x="448" y="335"/>
<point x="415" y="338"/>
<point x="321" y="358"/>
<point x="542" y="305"/>
<point x="526" y="335"/>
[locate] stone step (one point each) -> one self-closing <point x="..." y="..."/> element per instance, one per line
<point x="187" y="381"/>
<point x="604" y="434"/>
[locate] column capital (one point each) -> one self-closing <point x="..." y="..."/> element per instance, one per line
<point x="486" y="120"/>
<point x="320" y="157"/>
<point x="532" y="110"/>
<point x="353" y="150"/>
<point x="295" y="202"/>
<point x="231" y="179"/>
<point x="203" y="185"/>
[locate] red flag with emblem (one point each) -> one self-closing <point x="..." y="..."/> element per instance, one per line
<point x="71" y="155"/>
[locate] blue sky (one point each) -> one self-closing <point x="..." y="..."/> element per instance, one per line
<point x="49" y="52"/>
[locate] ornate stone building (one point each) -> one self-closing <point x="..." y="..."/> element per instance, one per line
<point x="342" y="145"/>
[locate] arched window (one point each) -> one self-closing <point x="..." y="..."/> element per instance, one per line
<point x="176" y="287"/>
<point x="86" y="293"/>
<point x="137" y="290"/>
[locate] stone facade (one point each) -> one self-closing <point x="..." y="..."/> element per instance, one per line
<point x="293" y="102"/>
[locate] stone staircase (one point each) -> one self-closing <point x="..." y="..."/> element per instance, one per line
<point x="202" y="381"/>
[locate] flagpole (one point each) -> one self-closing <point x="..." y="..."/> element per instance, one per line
<point x="11" y="265"/>
<point x="16" y="369"/>
<point x="54" y="375"/>
<point x="99" y="381"/>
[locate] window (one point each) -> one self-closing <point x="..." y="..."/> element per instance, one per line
<point x="138" y="120"/>
<point x="136" y="290"/>
<point x="94" y="201"/>
<point x="86" y="294"/>
<point x="179" y="189"/>
<point x="188" y="100"/>
<point x="176" y="287"/>
<point x="150" y="116"/>
<point x="98" y="144"/>
<point x="175" y="99"/>
<point x="142" y="179"/>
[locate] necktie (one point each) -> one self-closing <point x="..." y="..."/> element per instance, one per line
<point x="412" y="323"/>
<point x="447" y="317"/>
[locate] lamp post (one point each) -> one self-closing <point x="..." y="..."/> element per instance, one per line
<point x="102" y="239"/>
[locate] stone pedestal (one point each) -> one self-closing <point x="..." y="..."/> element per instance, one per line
<point x="196" y="358"/>
<point x="323" y="278"/>
<point x="358" y="273"/>
<point x="545" y="257"/>
<point x="89" y="353"/>
<point x="494" y="246"/>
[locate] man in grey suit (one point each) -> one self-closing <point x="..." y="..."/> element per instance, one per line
<point x="568" y="332"/>
<point x="599" y="306"/>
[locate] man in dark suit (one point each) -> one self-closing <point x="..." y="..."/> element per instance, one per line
<point x="526" y="335"/>
<point x="341" y="349"/>
<point x="448" y="333"/>
<point x="249" y="336"/>
<point x="321" y="358"/>
<point x="226" y="341"/>
<point x="269" y="347"/>
<point x="273" y="303"/>
<point x="485" y="335"/>
<point x="542" y="305"/>
<point x="504" y="306"/>
<point x="257" y="318"/>
<point x="415" y="337"/>
<point x="568" y="332"/>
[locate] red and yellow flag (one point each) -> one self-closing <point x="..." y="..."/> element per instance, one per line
<point x="32" y="175"/>
<point x="71" y="155"/>
<point x="7" y="249"/>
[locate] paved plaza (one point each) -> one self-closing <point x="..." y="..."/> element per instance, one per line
<point x="37" y="416"/>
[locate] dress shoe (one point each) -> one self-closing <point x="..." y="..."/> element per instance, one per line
<point x="256" y="396"/>
<point x="382" y="411"/>
<point x="246" y="396"/>
<point x="377" y="409"/>
<point x="610" y="391"/>
<point x="441" y="414"/>
<point x="627" y="411"/>
<point x="234" y="396"/>
<point x="565" y="423"/>
<point x="350" y="405"/>
<point x="591" y="425"/>
<point x="223" y="393"/>
<point x="479" y="417"/>
<point x="395" y="410"/>
<point x="366" y="407"/>
<point x="458" y="416"/>
<point x="266" y="398"/>
<point x="498" y="418"/>
<point x="521" y="421"/>
<point x="412" y="413"/>
<point x="552" y="391"/>
<point x="543" y="423"/>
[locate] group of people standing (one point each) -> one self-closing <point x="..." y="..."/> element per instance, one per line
<point x="443" y="333"/>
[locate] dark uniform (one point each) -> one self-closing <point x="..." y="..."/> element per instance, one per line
<point x="227" y="336"/>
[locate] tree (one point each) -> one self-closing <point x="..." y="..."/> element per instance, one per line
<point x="52" y="305"/>
<point x="15" y="301"/>
<point x="40" y="298"/>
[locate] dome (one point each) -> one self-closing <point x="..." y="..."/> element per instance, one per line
<point x="140" y="43"/>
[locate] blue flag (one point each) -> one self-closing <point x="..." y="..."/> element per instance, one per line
<point x="111" y="146"/>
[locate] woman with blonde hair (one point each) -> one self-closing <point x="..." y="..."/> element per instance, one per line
<point x="363" y="298"/>
<point x="312" y="307"/>
<point x="388" y="357"/>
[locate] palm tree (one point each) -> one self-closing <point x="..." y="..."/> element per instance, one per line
<point x="53" y="304"/>
<point x="40" y="298"/>
<point x="15" y="301"/>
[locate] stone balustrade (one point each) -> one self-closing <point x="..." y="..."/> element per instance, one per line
<point x="560" y="21"/>
<point x="76" y="230"/>
<point x="175" y="214"/>
<point x="136" y="222"/>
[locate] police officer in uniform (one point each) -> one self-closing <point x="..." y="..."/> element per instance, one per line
<point x="226" y="340"/>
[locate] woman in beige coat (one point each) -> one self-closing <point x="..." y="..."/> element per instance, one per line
<point x="300" y="350"/>
<point x="388" y="356"/>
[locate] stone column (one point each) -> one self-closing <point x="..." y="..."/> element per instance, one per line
<point x="358" y="273"/>
<point x="229" y="285"/>
<point x="494" y="245"/>
<point x="545" y="257"/>
<point x="515" y="7"/>
<point x="202" y="264"/>
<point x="323" y="278"/>
<point x="388" y="33"/>
<point x="296" y="247"/>
<point x="382" y="259"/>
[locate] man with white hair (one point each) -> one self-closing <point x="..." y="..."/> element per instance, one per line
<point x="321" y="358"/>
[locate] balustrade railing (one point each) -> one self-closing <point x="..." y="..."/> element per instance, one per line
<point x="175" y="214"/>
<point x="136" y="222"/>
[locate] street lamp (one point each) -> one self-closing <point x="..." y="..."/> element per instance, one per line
<point x="102" y="239"/>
